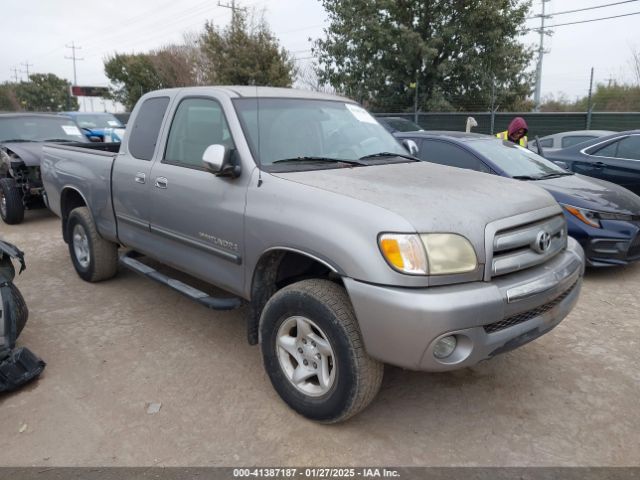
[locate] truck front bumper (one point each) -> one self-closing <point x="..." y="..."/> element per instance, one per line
<point x="401" y="326"/>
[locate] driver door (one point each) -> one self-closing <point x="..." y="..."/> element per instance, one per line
<point x="197" y="217"/>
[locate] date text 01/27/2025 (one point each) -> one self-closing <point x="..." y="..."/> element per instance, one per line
<point x="315" y="472"/>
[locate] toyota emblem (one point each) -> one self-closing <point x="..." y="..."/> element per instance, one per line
<point x="543" y="242"/>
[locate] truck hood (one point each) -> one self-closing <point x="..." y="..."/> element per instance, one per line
<point x="29" y="152"/>
<point x="592" y="193"/>
<point x="431" y="197"/>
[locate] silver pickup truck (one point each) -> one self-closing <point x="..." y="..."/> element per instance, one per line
<point x="348" y="251"/>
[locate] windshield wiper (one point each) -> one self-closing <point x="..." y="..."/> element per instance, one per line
<point x="555" y="175"/>
<point x="389" y="154"/>
<point x="319" y="159"/>
<point x="525" y="177"/>
<point x="16" y="140"/>
<point x="58" y="140"/>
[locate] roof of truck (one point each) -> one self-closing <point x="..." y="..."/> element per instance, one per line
<point x="259" y="92"/>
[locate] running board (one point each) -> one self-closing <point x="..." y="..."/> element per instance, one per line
<point x="199" y="296"/>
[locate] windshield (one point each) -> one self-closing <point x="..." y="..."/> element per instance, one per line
<point x="103" y="120"/>
<point x="402" y="124"/>
<point x="291" y="128"/>
<point x="516" y="161"/>
<point x="39" y="129"/>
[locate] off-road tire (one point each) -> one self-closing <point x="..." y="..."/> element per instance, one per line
<point x="358" y="376"/>
<point x="12" y="195"/>
<point x="103" y="263"/>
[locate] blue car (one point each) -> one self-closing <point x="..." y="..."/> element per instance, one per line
<point x="602" y="216"/>
<point x="97" y="126"/>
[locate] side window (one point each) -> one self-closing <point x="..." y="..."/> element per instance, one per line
<point x="572" y="140"/>
<point x="145" y="129"/>
<point x="197" y="123"/>
<point x="606" y="151"/>
<point x="629" y="148"/>
<point x="547" y="143"/>
<point x="444" y="153"/>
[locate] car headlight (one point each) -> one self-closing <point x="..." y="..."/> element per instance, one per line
<point x="593" y="217"/>
<point x="585" y="216"/>
<point x="429" y="253"/>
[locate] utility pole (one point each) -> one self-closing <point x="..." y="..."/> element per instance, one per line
<point x="75" y="59"/>
<point x="233" y="8"/>
<point x="589" y="105"/>
<point x="26" y="66"/>
<point x="415" y="102"/>
<point x="15" y="74"/>
<point x="541" y="53"/>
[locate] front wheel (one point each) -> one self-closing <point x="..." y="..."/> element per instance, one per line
<point x="11" y="206"/>
<point x="313" y="352"/>
<point x="93" y="257"/>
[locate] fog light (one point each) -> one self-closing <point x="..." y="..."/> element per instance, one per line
<point x="445" y="347"/>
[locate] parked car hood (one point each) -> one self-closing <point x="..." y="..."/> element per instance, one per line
<point x="431" y="197"/>
<point x="29" y="152"/>
<point x="591" y="193"/>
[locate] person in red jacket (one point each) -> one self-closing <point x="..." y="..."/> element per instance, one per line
<point x="516" y="133"/>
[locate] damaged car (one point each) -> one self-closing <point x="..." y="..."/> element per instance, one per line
<point x="17" y="365"/>
<point x="21" y="138"/>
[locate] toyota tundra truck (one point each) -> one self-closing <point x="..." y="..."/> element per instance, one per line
<point x="346" y="251"/>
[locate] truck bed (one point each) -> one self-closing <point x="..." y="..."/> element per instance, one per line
<point x="81" y="167"/>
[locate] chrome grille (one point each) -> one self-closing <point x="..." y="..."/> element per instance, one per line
<point x="528" y="245"/>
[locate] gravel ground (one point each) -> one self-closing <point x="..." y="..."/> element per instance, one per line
<point x="569" y="398"/>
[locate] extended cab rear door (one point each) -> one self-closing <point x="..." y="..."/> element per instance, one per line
<point x="131" y="177"/>
<point x="197" y="218"/>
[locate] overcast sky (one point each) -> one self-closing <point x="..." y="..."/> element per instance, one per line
<point x="36" y="32"/>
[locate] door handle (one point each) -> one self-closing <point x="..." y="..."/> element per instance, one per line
<point x="599" y="165"/>
<point x="161" y="182"/>
<point x="140" y="177"/>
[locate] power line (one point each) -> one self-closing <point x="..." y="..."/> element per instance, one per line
<point x="583" y="21"/>
<point x="587" y="8"/>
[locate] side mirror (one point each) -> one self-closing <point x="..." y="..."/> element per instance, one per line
<point x="411" y="146"/>
<point x="217" y="160"/>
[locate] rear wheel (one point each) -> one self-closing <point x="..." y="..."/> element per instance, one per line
<point x="93" y="257"/>
<point x="11" y="206"/>
<point x="314" y="354"/>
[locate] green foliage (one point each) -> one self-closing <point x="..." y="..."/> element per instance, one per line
<point x="245" y="53"/>
<point x="614" y="97"/>
<point x="44" y="92"/>
<point x="131" y="76"/>
<point x="375" y="50"/>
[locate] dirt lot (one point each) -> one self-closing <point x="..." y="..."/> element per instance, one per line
<point x="569" y="398"/>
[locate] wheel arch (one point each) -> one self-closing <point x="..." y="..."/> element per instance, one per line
<point x="278" y="267"/>
<point x="70" y="198"/>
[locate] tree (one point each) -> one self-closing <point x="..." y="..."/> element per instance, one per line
<point x="457" y="52"/>
<point x="8" y="98"/>
<point x="45" y="92"/>
<point x="131" y="76"/>
<point x="245" y="53"/>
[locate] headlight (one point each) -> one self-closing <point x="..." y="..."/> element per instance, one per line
<point x="430" y="253"/>
<point x="404" y="252"/>
<point x="585" y="216"/>
<point x="592" y="217"/>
